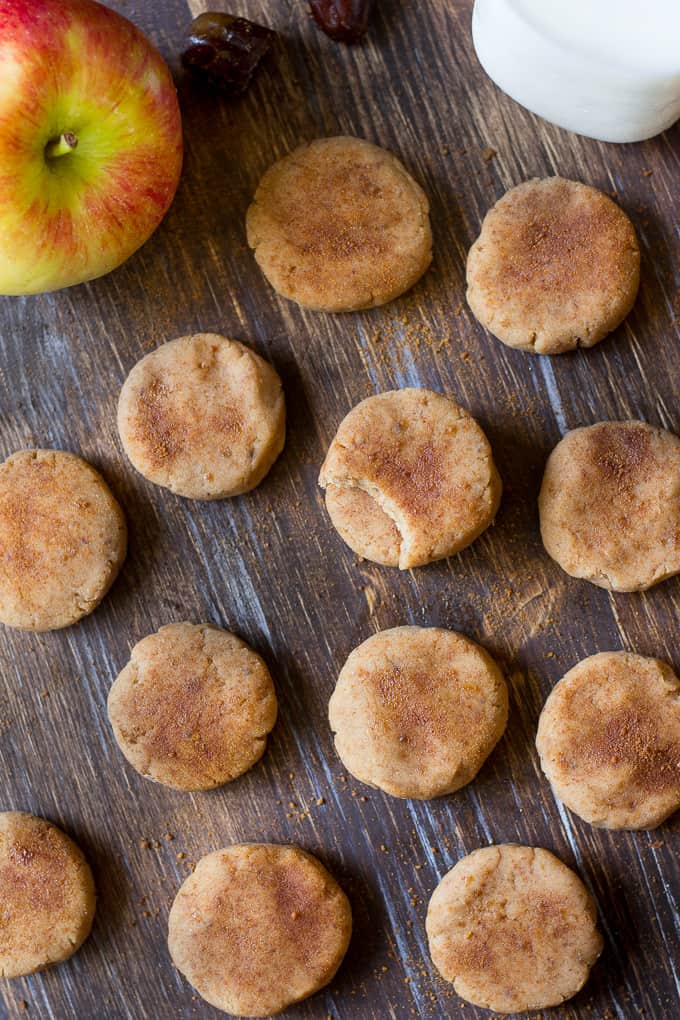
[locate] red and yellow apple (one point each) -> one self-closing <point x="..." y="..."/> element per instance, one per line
<point x="90" y="142"/>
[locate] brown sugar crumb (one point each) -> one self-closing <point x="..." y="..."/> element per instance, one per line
<point x="488" y="154"/>
<point x="405" y="338"/>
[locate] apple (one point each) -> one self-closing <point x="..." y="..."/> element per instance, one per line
<point x="90" y="142"/>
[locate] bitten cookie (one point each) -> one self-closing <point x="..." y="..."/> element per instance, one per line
<point x="556" y="266"/>
<point x="609" y="740"/>
<point x="339" y="225"/>
<point x="193" y="707"/>
<point x="63" y="539"/>
<point x="259" y="927"/>
<point x="409" y="478"/>
<point x="417" y="711"/>
<point x="203" y="416"/>
<point x="610" y="505"/>
<point x="47" y="896"/>
<point x="513" y="928"/>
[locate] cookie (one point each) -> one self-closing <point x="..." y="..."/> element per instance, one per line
<point x="556" y="266"/>
<point x="513" y="928"/>
<point x="409" y="478"/>
<point x="259" y="927"/>
<point x="339" y="224"/>
<point x="609" y="740"/>
<point x="47" y="896"/>
<point x="193" y="707"/>
<point x="610" y="505"/>
<point x="417" y="711"/>
<point x="63" y="539"/>
<point x="203" y="416"/>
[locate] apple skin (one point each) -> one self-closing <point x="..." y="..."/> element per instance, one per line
<point x="78" y="67"/>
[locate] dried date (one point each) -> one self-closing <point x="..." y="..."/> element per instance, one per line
<point x="343" y="20"/>
<point x="225" y="50"/>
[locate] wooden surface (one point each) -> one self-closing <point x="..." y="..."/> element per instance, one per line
<point x="269" y="565"/>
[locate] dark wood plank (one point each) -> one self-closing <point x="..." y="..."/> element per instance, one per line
<point x="270" y="567"/>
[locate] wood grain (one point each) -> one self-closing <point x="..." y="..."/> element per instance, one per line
<point x="270" y="567"/>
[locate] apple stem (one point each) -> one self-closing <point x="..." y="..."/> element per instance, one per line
<point x="61" y="146"/>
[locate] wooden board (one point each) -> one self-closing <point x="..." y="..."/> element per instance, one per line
<point x="269" y="565"/>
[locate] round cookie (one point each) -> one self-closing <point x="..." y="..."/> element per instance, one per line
<point x="193" y="707"/>
<point x="409" y="478"/>
<point x="417" y="711"/>
<point x="556" y="266"/>
<point x="47" y="895"/>
<point x="63" y="539"/>
<point x="259" y="927"/>
<point x="513" y="928"/>
<point x="339" y="225"/>
<point x="203" y="416"/>
<point x="609" y="740"/>
<point x="610" y="505"/>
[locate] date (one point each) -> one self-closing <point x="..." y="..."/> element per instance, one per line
<point x="225" y="50"/>
<point x="342" y="20"/>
